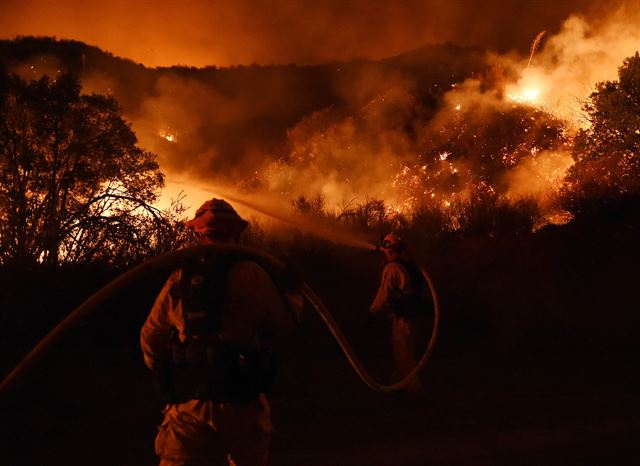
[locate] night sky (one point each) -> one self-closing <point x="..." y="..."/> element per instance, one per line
<point x="200" y="33"/>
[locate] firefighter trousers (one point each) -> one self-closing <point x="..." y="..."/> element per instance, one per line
<point x="409" y="336"/>
<point x="199" y="433"/>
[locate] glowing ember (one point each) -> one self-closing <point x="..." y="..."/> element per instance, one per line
<point x="526" y="96"/>
<point x="169" y="136"/>
<point x="560" y="217"/>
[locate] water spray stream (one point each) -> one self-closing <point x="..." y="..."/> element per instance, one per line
<point x="307" y="225"/>
<point x="171" y="261"/>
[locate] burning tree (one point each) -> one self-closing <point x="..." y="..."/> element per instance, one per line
<point x="74" y="187"/>
<point x="607" y="153"/>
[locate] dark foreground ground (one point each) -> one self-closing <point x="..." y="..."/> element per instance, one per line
<point x="536" y="364"/>
<point x="482" y="407"/>
<point x="474" y="413"/>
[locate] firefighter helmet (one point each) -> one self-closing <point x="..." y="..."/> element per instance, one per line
<point x="392" y="242"/>
<point x="223" y="219"/>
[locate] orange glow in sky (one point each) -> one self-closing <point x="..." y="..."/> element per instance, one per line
<point x="200" y="33"/>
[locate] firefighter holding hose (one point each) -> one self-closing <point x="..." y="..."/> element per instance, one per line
<point x="404" y="296"/>
<point x="210" y="339"/>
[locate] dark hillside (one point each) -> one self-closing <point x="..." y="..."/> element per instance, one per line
<point x="280" y="95"/>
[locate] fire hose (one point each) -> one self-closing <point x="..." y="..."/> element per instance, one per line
<point x="275" y="268"/>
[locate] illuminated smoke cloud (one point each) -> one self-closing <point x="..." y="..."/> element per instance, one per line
<point x="201" y="33"/>
<point x="363" y="156"/>
<point x="200" y="132"/>
<point x="347" y="158"/>
<point x="568" y="65"/>
<point x="393" y="149"/>
<point x="375" y="146"/>
<point x="538" y="175"/>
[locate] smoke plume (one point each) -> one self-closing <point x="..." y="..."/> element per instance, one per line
<point x="201" y="33"/>
<point x="394" y="135"/>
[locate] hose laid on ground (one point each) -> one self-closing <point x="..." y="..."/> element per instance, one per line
<point x="276" y="269"/>
<point x="351" y="356"/>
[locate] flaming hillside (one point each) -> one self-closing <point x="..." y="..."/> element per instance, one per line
<point x="440" y="128"/>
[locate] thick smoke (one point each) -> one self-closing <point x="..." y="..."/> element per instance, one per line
<point x="378" y="143"/>
<point x="538" y="175"/>
<point x="377" y="147"/>
<point x="38" y="67"/>
<point x="392" y="149"/>
<point x="198" y="130"/>
<point x="568" y="65"/>
<point x="346" y="159"/>
<point x="378" y="151"/>
<point x="200" y="32"/>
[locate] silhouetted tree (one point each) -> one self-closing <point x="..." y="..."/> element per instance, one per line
<point x="607" y="154"/>
<point x="488" y="214"/>
<point x="309" y="206"/>
<point x="74" y="185"/>
<point x="372" y="214"/>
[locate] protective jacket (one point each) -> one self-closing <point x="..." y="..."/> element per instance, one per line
<point x="209" y="334"/>
<point x="403" y="290"/>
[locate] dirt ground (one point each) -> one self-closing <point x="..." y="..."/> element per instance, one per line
<point x="472" y="414"/>
<point x="480" y="408"/>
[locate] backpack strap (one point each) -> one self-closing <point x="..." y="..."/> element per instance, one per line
<point x="414" y="303"/>
<point x="202" y="287"/>
<point x="204" y="366"/>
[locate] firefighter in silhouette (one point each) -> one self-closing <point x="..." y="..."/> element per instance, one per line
<point x="209" y="338"/>
<point x="404" y="296"/>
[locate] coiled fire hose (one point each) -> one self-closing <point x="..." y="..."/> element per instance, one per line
<point x="278" y="272"/>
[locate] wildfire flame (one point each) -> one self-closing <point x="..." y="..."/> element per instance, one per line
<point x="528" y="91"/>
<point x="530" y="88"/>
<point x="169" y="136"/>
<point x="392" y="150"/>
<point x="527" y="95"/>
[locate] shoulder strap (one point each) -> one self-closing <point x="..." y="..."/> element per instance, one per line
<point x="203" y="284"/>
<point x="417" y="280"/>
